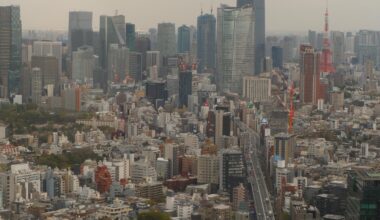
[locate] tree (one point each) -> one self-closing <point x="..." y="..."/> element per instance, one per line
<point x="153" y="215"/>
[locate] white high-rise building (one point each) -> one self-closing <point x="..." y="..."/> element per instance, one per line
<point x="256" y="89"/>
<point x="36" y="85"/>
<point x="235" y="47"/>
<point x="20" y="184"/>
<point x="49" y="48"/>
<point x="166" y="39"/>
<point x="84" y="62"/>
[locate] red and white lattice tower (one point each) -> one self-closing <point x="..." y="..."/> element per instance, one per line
<point x="326" y="65"/>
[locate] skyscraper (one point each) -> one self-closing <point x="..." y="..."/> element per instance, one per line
<point x="80" y="30"/>
<point x="135" y="65"/>
<point x="49" y="48"/>
<point x="36" y="85"/>
<point x="284" y="146"/>
<point x="185" y="87"/>
<point x="337" y="39"/>
<point x="310" y="74"/>
<point x="231" y="169"/>
<point x="10" y="50"/>
<point x="183" y="42"/>
<point x="363" y="195"/>
<point x="277" y="57"/>
<point x="48" y="66"/>
<point x="259" y="7"/>
<point x="142" y="46"/>
<point x="111" y="31"/>
<point x="166" y="40"/>
<point x="312" y="36"/>
<point x="235" y="47"/>
<point x="84" y="62"/>
<point x="130" y="36"/>
<point x="206" y="42"/>
<point x="118" y="62"/>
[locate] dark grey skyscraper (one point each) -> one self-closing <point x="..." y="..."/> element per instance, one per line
<point x="80" y="30"/>
<point x="312" y="35"/>
<point x="10" y="50"/>
<point x="206" y="42"/>
<point x="183" y="41"/>
<point x="277" y="57"/>
<point x="130" y="36"/>
<point x="142" y="46"/>
<point x="185" y="87"/>
<point x="259" y="6"/>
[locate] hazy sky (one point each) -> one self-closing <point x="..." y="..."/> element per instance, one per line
<point x="282" y="15"/>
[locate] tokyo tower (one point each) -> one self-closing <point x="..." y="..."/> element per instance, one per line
<point x="326" y="65"/>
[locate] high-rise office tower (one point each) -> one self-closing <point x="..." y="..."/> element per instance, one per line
<point x="111" y="31"/>
<point x="363" y="197"/>
<point x="206" y="42"/>
<point x="312" y="37"/>
<point x="231" y="169"/>
<point x="337" y="39"/>
<point x="366" y="46"/>
<point x="259" y="8"/>
<point x="166" y="40"/>
<point x="135" y="65"/>
<point x="153" y="63"/>
<point x="36" y="85"/>
<point x="183" y="41"/>
<point x="48" y="66"/>
<point x="277" y="57"/>
<point x="84" y="63"/>
<point x="193" y="44"/>
<point x="130" y="36"/>
<point x="80" y="30"/>
<point x="310" y="75"/>
<point x="172" y="153"/>
<point x="142" y="46"/>
<point x="49" y="48"/>
<point x="10" y="50"/>
<point x="153" y="38"/>
<point x="185" y="87"/>
<point x="284" y="146"/>
<point x="118" y="62"/>
<point x="235" y="47"/>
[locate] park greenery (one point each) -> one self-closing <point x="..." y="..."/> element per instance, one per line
<point x="67" y="159"/>
<point x="30" y="119"/>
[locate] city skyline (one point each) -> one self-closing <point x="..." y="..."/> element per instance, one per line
<point x="280" y="17"/>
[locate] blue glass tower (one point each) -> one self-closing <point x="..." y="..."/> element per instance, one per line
<point x="206" y="42"/>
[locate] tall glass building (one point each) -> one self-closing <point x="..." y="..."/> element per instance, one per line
<point x="206" y="42"/>
<point x="183" y="41"/>
<point x="259" y="6"/>
<point x="130" y="36"/>
<point x="80" y="30"/>
<point x="235" y="47"/>
<point x="10" y="50"/>
<point x="112" y="31"/>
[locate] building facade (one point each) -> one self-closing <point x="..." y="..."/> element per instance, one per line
<point x="235" y="47"/>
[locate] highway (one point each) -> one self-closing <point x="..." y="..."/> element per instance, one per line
<point x="260" y="194"/>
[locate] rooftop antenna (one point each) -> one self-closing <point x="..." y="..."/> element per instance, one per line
<point x="116" y="12"/>
<point x="201" y="9"/>
<point x="212" y="8"/>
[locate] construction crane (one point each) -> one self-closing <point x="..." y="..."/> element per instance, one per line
<point x="290" y="109"/>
